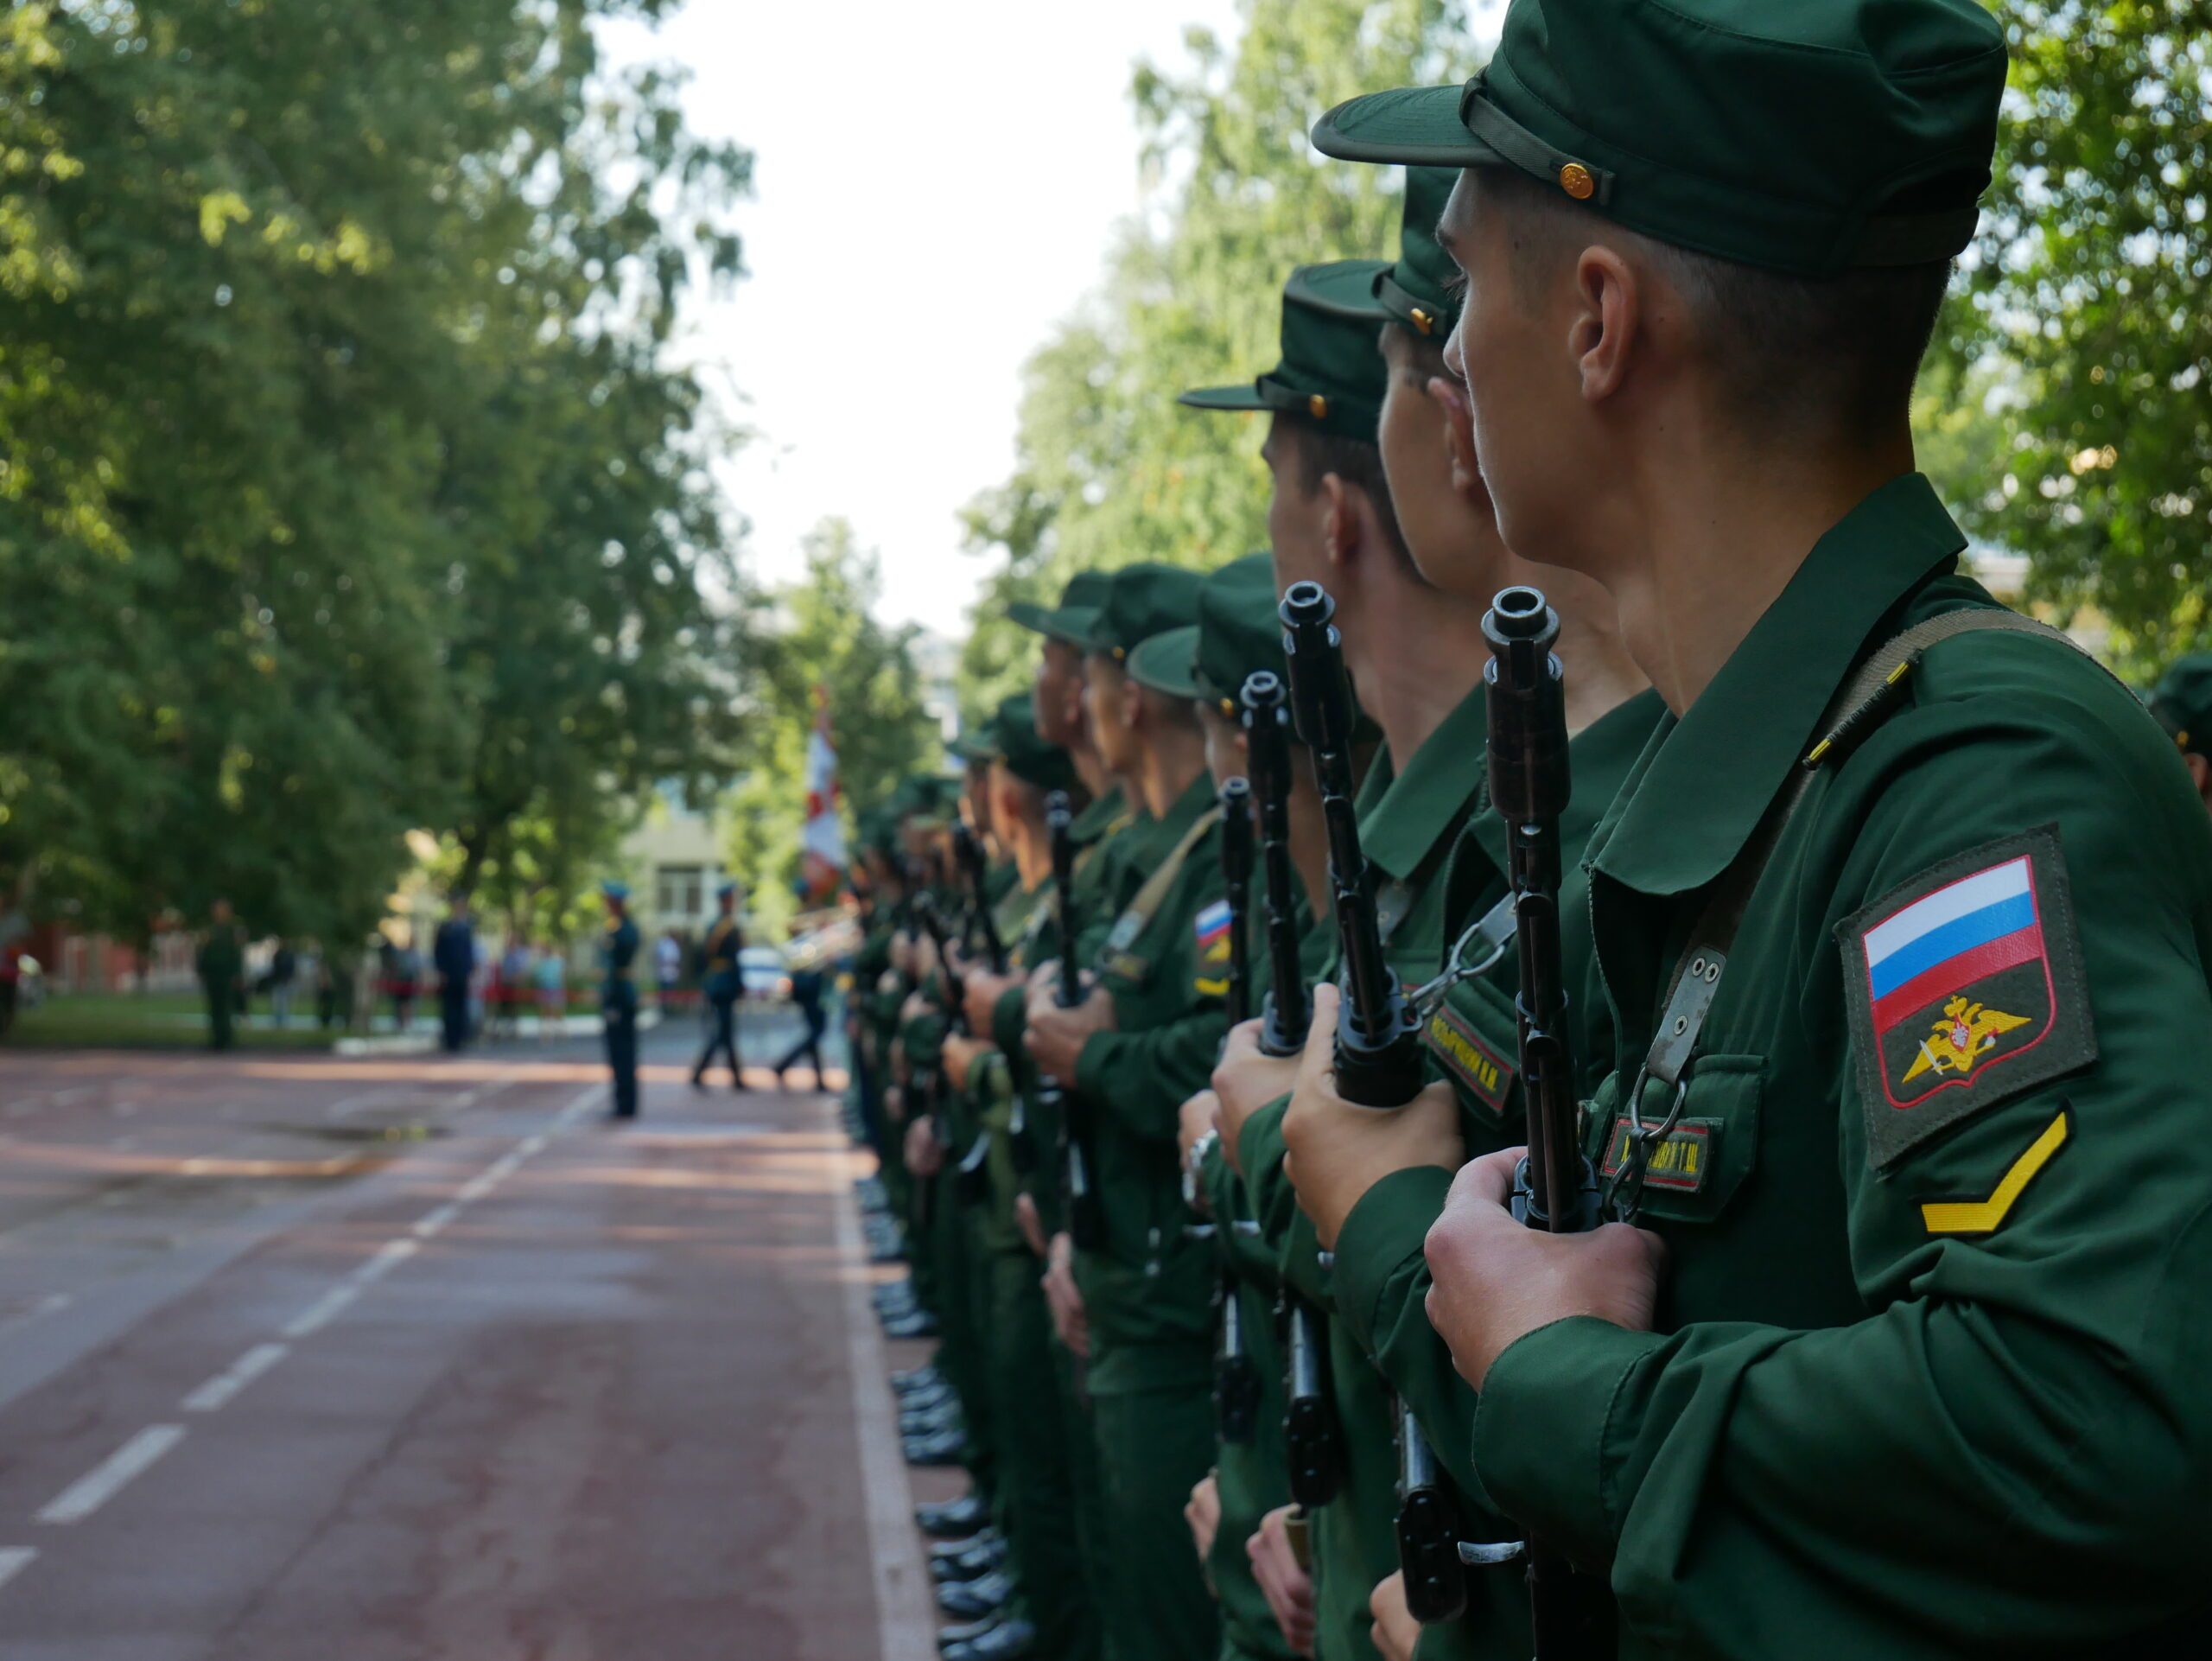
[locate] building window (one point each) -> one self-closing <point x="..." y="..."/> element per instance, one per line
<point x="680" y="890"/>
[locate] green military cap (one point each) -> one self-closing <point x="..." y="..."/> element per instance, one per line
<point x="1331" y="371"/>
<point x="1417" y="292"/>
<point x="926" y="797"/>
<point x="977" y="743"/>
<point x="1069" y="621"/>
<point x="1238" y="631"/>
<point x="1810" y="137"/>
<point x="1143" y="600"/>
<point x="1032" y="760"/>
<point x="2183" y="701"/>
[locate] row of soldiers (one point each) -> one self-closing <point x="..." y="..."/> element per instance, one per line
<point x="1674" y="1123"/>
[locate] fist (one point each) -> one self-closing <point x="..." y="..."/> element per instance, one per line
<point x="925" y="1155"/>
<point x="1496" y="1280"/>
<point x="1245" y="1081"/>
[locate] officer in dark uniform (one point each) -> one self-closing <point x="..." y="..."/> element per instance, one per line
<point x="724" y="986"/>
<point x="2182" y="702"/>
<point x="618" y="997"/>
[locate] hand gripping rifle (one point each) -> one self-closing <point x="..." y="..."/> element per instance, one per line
<point x="1235" y="1375"/>
<point x="1377" y="1050"/>
<point x="1086" y="1222"/>
<point x="932" y="922"/>
<point x="1309" y="1425"/>
<point x="1554" y="1187"/>
<point x="974" y="1177"/>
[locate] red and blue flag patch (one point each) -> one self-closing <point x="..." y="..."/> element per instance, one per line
<point x="1965" y="987"/>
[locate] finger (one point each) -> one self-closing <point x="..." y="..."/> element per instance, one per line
<point x="1320" y="1034"/>
<point x="1485" y="1181"/>
<point x="1243" y="1041"/>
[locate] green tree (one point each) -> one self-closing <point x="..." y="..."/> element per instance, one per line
<point x="2090" y="315"/>
<point x="1109" y="469"/>
<point x="816" y="642"/>
<point x="330" y="366"/>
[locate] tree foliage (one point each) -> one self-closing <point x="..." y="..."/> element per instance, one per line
<point x="1110" y="468"/>
<point x="817" y="639"/>
<point x="2092" y="293"/>
<point x="343" y="488"/>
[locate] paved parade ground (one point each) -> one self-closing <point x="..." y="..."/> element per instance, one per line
<point x="321" y="1359"/>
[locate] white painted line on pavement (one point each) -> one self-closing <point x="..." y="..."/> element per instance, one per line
<point x="14" y="1560"/>
<point x="436" y="1221"/>
<point x="109" y="1477"/>
<point x="388" y="1257"/>
<point x="218" y="1390"/>
<point x="906" y="1612"/>
<point x="317" y="1315"/>
<point x="534" y="1145"/>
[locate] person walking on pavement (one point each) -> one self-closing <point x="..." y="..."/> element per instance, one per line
<point x="222" y="967"/>
<point x="284" y="970"/>
<point x="725" y="984"/>
<point x="452" y="952"/>
<point x="618" y="955"/>
<point x="808" y="987"/>
<point x="552" y="976"/>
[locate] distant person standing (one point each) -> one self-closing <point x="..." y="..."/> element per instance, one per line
<point x="284" y="970"/>
<point x="668" y="970"/>
<point x="808" y="986"/>
<point x="222" y="973"/>
<point x="725" y="984"/>
<point x="452" y="952"/>
<point x="406" y="978"/>
<point x="550" y="975"/>
<point x="618" y="997"/>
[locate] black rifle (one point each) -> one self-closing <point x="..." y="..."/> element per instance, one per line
<point x="1309" y="1425"/>
<point x="1086" y="1221"/>
<point x="1287" y="1011"/>
<point x="1379" y="1032"/>
<point x="1554" y="1187"/>
<point x="967" y="848"/>
<point x="1235" y="1375"/>
<point x="1378" y="1050"/>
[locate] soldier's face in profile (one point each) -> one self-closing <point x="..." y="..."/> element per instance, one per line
<point x="1514" y="352"/>
<point x="1297" y="514"/>
<point x="1225" y="742"/>
<point x="1443" y="512"/>
<point x="1102" y="686"/>
<point x="1056" y="694"/>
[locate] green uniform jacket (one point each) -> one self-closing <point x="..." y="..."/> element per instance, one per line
<point x="1929" y="1373"/>
<point x="1149" y="1289"/>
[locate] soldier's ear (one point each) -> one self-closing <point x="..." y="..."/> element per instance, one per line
<point x="2200" y="769"/>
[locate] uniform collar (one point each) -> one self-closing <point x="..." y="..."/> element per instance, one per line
<point x="1423" y="804"/>
<point x="1197" y="797"/>
<point x="1098" y="818"/>
<point x="1706" y="779"/>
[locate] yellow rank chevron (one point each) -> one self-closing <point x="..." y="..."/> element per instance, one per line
<point x="1982" y="1215"/>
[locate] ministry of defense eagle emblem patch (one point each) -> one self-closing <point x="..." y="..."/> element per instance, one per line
<point x="1965" y="987"/>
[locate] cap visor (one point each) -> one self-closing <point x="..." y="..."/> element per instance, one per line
<point x="1344" y="288"/>
<point x="1072" y="626"/>
<point x="1418" y="125"/>
<point x="1029" y="614"/>
<point x="1168" y="663"/>
<point x="1245" y="398"/>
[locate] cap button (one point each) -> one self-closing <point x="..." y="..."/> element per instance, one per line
<point x="1574" y="179"/>
<point x="1422" y="320"/>
<point x="1317" y="406"/>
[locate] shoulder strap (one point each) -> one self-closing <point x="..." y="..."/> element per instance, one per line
<point x="1139" y="911"/>
<point x="1871" y="694"/>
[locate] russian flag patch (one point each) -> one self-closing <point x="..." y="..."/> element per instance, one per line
<point x="1965" y="987"/>
<point x="1213" y="929"/>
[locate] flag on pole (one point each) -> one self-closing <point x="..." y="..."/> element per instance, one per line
<point x="821" y="844"/>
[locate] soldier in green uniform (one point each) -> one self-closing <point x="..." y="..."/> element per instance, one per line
<point x="1049" y="1610"/>
<point x="1377" y="1277"/>
<point x="222" y="966"/>
<point x="618" y="997"/>
<point x="2182" y="702"/>
<point x="1238" y="634"/>
<point x="724" y="986"/>
<point x="1137" y="1046"/>
<point x="1896" y="1346"/>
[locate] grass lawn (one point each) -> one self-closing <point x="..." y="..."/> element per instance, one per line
<point x="164" y="1020"/>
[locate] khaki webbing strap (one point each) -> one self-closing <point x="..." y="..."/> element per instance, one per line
<point x="1138" y="912"/>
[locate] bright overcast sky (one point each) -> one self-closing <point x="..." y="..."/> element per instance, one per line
<point x="936" y="184"/>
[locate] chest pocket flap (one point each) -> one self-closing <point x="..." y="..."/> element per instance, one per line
<point x="1692" y="1169"/>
